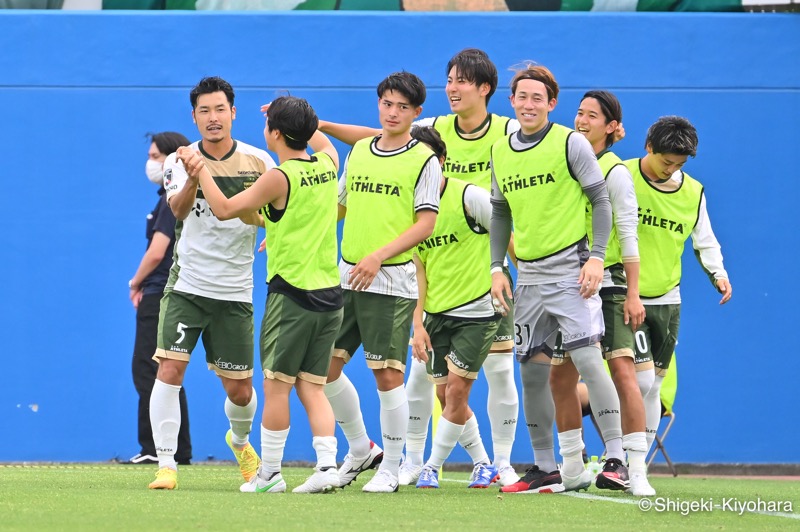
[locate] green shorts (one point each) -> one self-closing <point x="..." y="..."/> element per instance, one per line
<point x="504" y="337"/>
<point x="459" y="346"/>
<point x="618" y="339"/>
<point x="657" y="336"/>
<point x="226" y="326"/>
<point x="297" y="343"/>
<point x="381" y="323"/>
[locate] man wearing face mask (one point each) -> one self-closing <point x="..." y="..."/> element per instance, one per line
<point x="146" y="289"/>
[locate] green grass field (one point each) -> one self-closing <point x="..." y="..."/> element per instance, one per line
<point x="102" y="497"/>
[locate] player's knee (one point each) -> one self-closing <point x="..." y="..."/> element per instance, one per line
<point x="240" y="392"/>
<point x="388" y="378"/>
<point x="171" y="371"/>
<point x="457" y="391"/>
<point x="335" y="369"/>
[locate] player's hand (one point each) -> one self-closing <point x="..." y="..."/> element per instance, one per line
<point x="135" y="296"/>
<point x="500" y="289"/>
<point x="619" y="133"/>
<point x="725" y="288"/>
<point x="262" y="246"/>
<point x="363" y="273"/>
<point x="633" y="311"/>
<point x="420" y="344"/>
<point x="591" y="277"/>
<point x="192" y="161"/>
<point x="265" y="108"/>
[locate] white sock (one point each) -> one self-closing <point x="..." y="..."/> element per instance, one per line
<point x="540" y="412"/>
<point x="570" y="443"/>
<point x="273" y="442"/>
<point x="636" y="445"/>
<point x="346" y="406"/>
<point x="394" y="426"/>
<point x="325" y="446"/>
<point x="165" y="421"/>
<point x="471" y="441"/>
<point x="447" y="435"/>
<point x="614" y="449"/>
<point x="652" y="410"/>
<point x="241" y="419"/>
<point x="420" y="392"/>
<point x="502" y="405"/>
<point x="645" y="380"/>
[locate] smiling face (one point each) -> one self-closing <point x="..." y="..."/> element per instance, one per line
<point x="396" y="113"/>
<point x="531" y="105"/>
<point x="214" y="117"/>
<point x="593" y="124"/>
<point x="465" y="96"/>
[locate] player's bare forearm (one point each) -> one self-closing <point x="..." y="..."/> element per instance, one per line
<point x="181" y="203"/>
<point x="347" y="133"/>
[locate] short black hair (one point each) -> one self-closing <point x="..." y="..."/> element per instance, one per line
<point x="406" y="84"/>
<point x="429" y="136"/>
<point x="294" y="118"/>
<point x="209" y="85"/>
<point x="610" y="106"/>
<point x="672" y="134"/>
<point x="475" y="66"/>
<point x="168" y="142"/>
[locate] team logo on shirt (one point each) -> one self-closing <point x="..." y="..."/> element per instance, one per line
<point x="513" y="183"/>
<point x="308" y="179"/>
<point x="436" y="241"/>
<point x="167" y="177"/>
<point x="652" y="220"/>
<point x="454" y="167"/>
<point x="362" y="183"/>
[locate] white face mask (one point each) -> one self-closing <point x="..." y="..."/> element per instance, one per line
<point x="154" y="171"/>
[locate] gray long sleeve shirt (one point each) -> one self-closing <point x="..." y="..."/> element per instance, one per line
<point x="566" y="264"/>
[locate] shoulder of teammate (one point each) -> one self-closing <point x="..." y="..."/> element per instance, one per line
<point x="426" y="191"/>
<point x="477" y="203"/>
<point x="582" y="160"/>
<point x="512" y="126"/>
<point x="249" y="149"/>
<point x="424" y="122"/>
<point x="620" y="179"/>
<point x="621" y="192"/>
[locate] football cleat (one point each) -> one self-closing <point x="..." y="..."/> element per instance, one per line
<point x="428" y="478"/>
<point x="507" y="476"/>
<point x="320" y="482"/>
<point x="384" y="481"/>
<point x="142" y="459"/>
<point x="536" y="481"/>
<point x="639" y="486"/>
<point x="166" y="479"/>
<point x="247" y="458"/>
<point x="259" y="484"/>
<point x="409" y="473"/>
<point x="581" y="482"/>
<point x="482" y="476"/>
<point x="352" y="466"/>
<point x="614" y="476"/>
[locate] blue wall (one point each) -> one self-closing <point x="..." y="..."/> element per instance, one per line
<point x="81" y="89"/>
